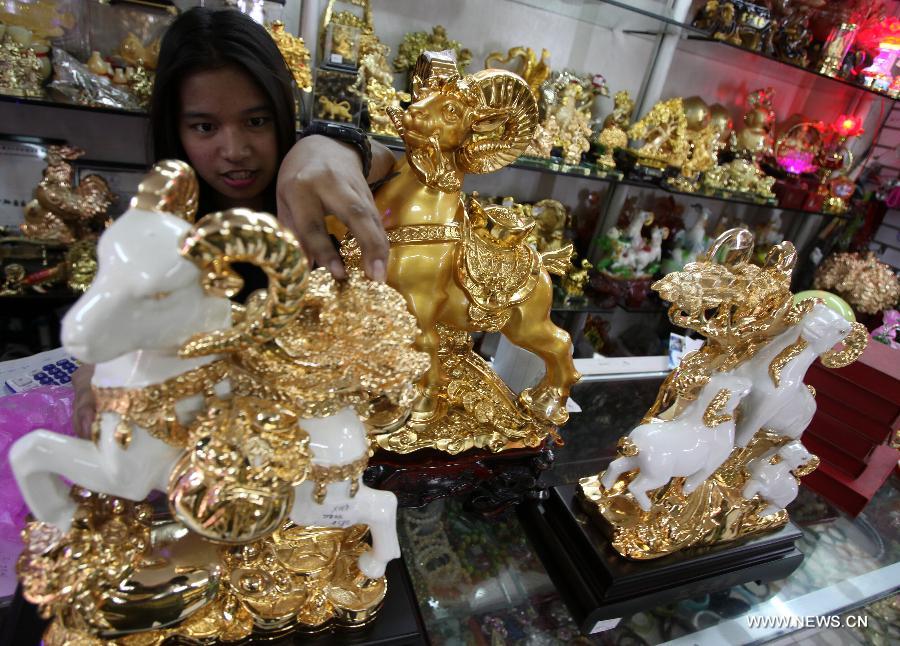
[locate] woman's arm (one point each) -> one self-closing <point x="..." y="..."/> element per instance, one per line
<point x="84" y="408"/>
<point x="322" y="176"/>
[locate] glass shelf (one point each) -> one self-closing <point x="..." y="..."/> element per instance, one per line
<point x="49" y="103"/>
<point x="396" y="144"/>
<point x="702" y="39"/>
<point x="636" y="15"/>
<point x="652" y="17"/>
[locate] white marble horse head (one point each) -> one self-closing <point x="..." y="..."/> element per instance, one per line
<point x="162" y="279"/>
<point x="823" y="328"/>
<point x="795" y="454"/>
<point x="146" y="295"/>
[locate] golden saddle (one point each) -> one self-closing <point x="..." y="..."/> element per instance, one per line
<point x="496" y="267"/>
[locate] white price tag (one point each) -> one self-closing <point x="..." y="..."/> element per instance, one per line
<point x="605" y="624"/>
<point x="679" y="346"/>
<point x="337" y="58"/>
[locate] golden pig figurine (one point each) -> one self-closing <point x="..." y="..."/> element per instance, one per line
<point x="466" y="268"/>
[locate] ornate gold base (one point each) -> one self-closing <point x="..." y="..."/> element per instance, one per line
<point x="100" y="591"/>
<point x="715" y="512"/>
<point x="475" y="409"/>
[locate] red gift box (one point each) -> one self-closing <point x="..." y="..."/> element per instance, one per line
<point x="857" y="415"/>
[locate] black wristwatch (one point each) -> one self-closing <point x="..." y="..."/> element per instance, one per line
<point x="348" y="134"/>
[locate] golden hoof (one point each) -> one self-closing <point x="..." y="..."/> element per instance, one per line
<point x="546" y="404"/>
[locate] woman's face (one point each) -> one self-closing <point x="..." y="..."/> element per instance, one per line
<point x="227" y="129"/>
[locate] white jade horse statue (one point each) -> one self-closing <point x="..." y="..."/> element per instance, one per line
<point x="161" y="283"/>
<point x="774" y="476"/>
<point x="779" y="400"/>
<point x="693" y="445"/>
<point x="145" y="302"/>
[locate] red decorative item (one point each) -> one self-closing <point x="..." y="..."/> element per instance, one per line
<point x="847" y="125"/>
<point x="857" y="415"/>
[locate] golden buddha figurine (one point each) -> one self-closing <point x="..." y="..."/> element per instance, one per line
<point x="718" y="456"/>
<point x="615" y="128"/>
<point x="755" y="139"/>
<point x="375" y="83"/>
<point x="467" y="267"/>
<point x="545" y="136"/>
<point x="295" y="54"/>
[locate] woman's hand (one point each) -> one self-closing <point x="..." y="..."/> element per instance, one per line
<point x="322" y="176"/>
<point x="85" y="406"/>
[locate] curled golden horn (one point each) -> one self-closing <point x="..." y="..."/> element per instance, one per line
<point x="854" y="345"/>
<point x="738" y="244"/>
<point x="170" y="187"/>
<point x="240" y="235"/>
<point x="507" y="92"/>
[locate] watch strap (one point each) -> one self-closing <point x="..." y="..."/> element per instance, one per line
<point x="347" y="134"/>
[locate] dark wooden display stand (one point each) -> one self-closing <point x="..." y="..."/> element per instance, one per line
<point x="491" y="482"/>
<point x="598" y="584"/>
<point x="398" y="623"/>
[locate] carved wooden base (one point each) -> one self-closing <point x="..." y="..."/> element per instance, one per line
<point x="491" y="481"/>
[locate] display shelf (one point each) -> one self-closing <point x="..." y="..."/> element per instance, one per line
<point x="49" y="103"/>
<point x="703" y="39"/>
<point x="651" y="18"/>
<point x="636" y="15"/>
<point x="396" y="144"/>
<point x="651" y="12"/>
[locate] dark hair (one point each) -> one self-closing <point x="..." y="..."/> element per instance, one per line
<point x="204" y="39"/>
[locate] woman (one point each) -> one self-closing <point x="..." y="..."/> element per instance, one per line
<point x="223" y="102"/>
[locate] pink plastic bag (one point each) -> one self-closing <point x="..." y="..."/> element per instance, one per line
<point x="47" y="407"/>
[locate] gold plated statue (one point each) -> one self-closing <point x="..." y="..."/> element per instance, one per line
<point x="532" y="70"/>
<point x="246" y="420"/>
<point x="663" y="132"/>
<point x="467" y="267"/>
<point x="416" y="43"/>
<point x="295" y="54"/>
<point x="21" y="71"/>
<point x="61" y="211"/>
<point x="375" y="83"/>
<point x="718" y="456"/>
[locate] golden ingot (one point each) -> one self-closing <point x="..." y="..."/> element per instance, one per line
<point x="464" y="268"/>
<point x="236" y="484"/>
<point x="739" y="308"/>
<point x="91" y="577"/>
